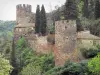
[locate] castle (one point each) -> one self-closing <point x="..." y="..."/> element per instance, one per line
<point x="65" y="35"/>
<point x="24" y="22"/>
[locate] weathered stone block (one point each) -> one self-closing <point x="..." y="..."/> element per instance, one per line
<point x="66" y="37"/>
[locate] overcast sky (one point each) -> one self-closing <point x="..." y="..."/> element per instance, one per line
<point x="8" y="7"/>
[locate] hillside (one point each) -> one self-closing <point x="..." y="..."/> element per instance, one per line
<point x="6" y="26"/>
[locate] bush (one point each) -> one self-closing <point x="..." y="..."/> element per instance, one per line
<point x="39" y="65"/>
<point x="94" y="65"/>
<point x="51" y="38"/>
<point x="52" y="29"/>
<point x="98" y="46"/>
<point x="70" y="68"/>
<point x="89" y="53"/>
<point x="5" y="67"/>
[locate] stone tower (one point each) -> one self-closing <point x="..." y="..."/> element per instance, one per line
<point x="24" y="14"/>
<point x="65" y="38"/>
<point x="24" y="21"/>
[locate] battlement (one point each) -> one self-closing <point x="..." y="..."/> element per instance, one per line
<point x="24" y="14"/>
<point x="65" y="22"/>
<point x="25" y="7"/>
<point x="65" y="35"/>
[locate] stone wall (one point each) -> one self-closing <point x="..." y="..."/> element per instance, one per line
<point x="24" y="14"/>
<point x="65" y="38"/>
<point x="62" y="43"/>
<point x="25" y="22"/>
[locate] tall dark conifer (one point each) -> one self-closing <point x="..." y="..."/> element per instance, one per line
<point x="85" y="9"/>
<point x="37" y="20"/>
<point x="91" y="9"/>
<point x="13" y="60"/>
<point x="97" y="9"/>
<point x="70" y="9"/>
<point x="43" y="21"/>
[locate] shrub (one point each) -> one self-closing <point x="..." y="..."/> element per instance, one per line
<point x="51" y="38"/>
<point x="98" y="46"/>
<point x="94" y="65"/>
<point x="52" y="29"/>
<point x="89" y="53"/>
<point x="39" y="65"/>
<point x="5" y="67"/>
<point x="70" y="68"/>
<point x="21" y="54"/>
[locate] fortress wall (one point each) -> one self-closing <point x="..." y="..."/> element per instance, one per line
<point x="65" y="38"/>
<point x="25" y="22"/>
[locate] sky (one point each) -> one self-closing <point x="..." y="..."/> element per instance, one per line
<point x="8" y="7"/>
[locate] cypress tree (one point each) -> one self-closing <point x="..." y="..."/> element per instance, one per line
<point x="85" y="9"/>
<point x="37" y="20"/>
<point x="97" y="9"/>
<point x="70" y="9"/>
<point x="43" y="21"/>
<point x="13" y="60"/>
<point x="79" y="25"/>
<point x="91" y="9"/>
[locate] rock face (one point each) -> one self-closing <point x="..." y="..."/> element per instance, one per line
<point x="25" y="22"/>
<point x="65" y="38"/>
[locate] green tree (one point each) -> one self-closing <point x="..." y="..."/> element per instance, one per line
<point x="70" y="68"/>
<point x="97" y="9"/>
<point x="13" y="60"/>
<point x="37" y="20"/>
<point x="31" y="70"/>
<point x="39" y="65"/>
<point x="80" y="8"/>
<point x="23" y="53"/>
<point x="91" y="9"/>
<point x="79" y="25"/>
<point x="5" y="67"/>
<point x="95" y="27"/>
<point x="43" y="21"/>
<point x="70" y="9"/>
<point x="85" y="9"/>
<point x="94" y="65"/>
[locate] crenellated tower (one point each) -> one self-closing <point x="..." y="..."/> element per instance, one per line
<point x="24" y="14"/>
<point x="25" y="21"/>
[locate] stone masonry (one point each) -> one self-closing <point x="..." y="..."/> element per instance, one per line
<point x="66" y="39"/>
<point x="25" y="22"/>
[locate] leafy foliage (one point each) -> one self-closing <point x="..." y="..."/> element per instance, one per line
<point x="89" y="53"/>
<point x="95" y="28"/>
<point x="39" y="65"/>
<point x="52" y="28"/>
<point x="79" y="25"/>
<point x="94" y="65"/>
<point x="5" y="67"/>
<point x="80" y="7"/>
<point x="26" y="57"/>
<point x="70" y="68"/>
<point x="31" y="70"/>
<point x="23" y="53"/>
